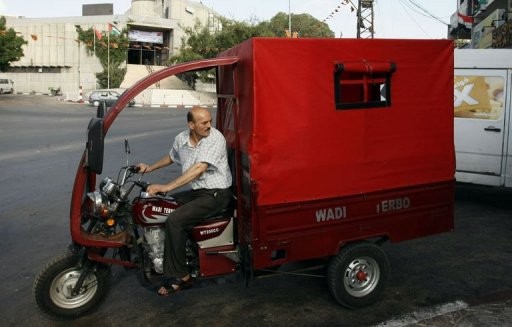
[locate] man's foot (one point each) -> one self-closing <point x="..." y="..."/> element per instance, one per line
<point x="173" y="285"/>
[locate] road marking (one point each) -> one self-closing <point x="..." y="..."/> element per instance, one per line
<point x="71" y="146"/>
<point x="427" y="313"/>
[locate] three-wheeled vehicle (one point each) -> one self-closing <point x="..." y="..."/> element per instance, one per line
<point x="335" y="146"/>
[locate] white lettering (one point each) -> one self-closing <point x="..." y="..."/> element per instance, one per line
<point x="209" y="231"/>
<point x="160" y="209"/>
<point x="462" y="82"/>
<point x="464" y="96"/>
<point x="328" y="214"/>
<point x="393" y="205"/>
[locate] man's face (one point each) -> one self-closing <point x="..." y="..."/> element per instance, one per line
<point x="202" y="123"/>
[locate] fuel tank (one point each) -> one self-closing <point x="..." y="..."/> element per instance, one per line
<point x="152" y="211"/>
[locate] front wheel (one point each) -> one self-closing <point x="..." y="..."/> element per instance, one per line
<point x="358" y="275"/>
<point x="53" y="287"/>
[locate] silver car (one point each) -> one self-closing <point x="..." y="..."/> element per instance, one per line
<point x="109" y="96"/>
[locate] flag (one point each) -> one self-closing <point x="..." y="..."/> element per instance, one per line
<point x="113" y="30"/>
<point x="98" y="34"/>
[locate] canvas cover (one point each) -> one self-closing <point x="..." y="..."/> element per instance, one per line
<point x="300" y="147"/>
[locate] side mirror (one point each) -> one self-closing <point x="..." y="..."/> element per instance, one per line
<point x="94" y="146"/>
<point x="102" y="109"/>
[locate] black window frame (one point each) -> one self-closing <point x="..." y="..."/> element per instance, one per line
<point x="367" y="78"/>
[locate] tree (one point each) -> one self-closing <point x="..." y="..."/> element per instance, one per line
<point x="304" y="25"/>
<point x="10" y="46"/>
<point x="200" y="43"/>
<point x="111" y="55"/>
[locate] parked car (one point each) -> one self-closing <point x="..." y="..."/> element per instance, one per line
<point x="6" y="86"/>
<point x="109" y="96"/>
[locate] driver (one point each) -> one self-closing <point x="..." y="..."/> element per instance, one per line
<point x="201" y="151"/>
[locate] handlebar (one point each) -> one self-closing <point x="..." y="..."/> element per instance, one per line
<point x="143" y="185"/>
<point x="133" y="169"/>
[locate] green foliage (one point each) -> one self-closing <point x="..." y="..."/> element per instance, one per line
<point x="110" y="50"/>
<point x="200" y="43"/>
<point x="304" y="24"/>
<point x="10" y="46"/>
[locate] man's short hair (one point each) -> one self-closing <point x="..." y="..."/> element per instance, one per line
<point x="190" y="115"/>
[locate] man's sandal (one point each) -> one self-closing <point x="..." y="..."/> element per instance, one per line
<point x="173" y="285"/>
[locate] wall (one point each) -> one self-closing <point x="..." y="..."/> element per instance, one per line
<point x="54" y="58"/>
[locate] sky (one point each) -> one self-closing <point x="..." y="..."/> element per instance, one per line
<point x="393" y="18"/>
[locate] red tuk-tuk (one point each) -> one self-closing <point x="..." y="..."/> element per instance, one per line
<point x="335" y="145"/>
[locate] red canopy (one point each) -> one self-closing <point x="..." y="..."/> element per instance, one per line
<point x="302" y="146"/>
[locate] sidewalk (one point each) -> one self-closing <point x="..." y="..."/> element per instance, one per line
<point x="483" y="315"/>
<point x="490" y="311"/>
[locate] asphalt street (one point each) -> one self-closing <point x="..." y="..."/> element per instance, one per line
<point x="41" y="141"/>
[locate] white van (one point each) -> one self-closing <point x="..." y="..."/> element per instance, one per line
<point x="6" y="86"/>
<point x="482" y="101"/>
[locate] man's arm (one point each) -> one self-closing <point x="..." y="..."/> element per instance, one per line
<point x="164" y="161"/>
<point x="192" y="173"/>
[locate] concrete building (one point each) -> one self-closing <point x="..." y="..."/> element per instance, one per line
<point x="53" y="57"/>
<point x="483" y="23"/>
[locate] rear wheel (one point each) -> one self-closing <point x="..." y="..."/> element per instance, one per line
<point x="358" y="275"/>
<point x="53" y="287"/>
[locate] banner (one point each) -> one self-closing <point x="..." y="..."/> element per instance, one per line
<point x="144" y="36"/>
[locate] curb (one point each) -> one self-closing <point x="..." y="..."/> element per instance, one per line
<point x="430" y="316"/>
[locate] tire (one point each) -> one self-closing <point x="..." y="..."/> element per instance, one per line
<point x="358" y="275"/>
<point x="96" y="103"/>
<point x="53" y="285"/>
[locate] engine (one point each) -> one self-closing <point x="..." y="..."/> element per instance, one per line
<point x="155" y="237"/>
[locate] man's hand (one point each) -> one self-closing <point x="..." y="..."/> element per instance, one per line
<point x="156" y="188"/>
<point x="143" y="168"/>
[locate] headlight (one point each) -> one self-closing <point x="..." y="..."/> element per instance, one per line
<point x="108" y="186"/>
<point x="99" y="203"/>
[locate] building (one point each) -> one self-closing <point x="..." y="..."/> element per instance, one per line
<point x="54" y="58"/>
<point x="483" y="23"/>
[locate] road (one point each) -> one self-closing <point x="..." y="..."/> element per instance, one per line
<point x="41" y="141"/>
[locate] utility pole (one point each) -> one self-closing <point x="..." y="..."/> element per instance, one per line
<point x="290" y="16"/>
<point x="365" y="19"/>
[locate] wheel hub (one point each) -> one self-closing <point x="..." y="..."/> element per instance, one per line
<point x="61" y="290"/>
<point x="361" y="276"/>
